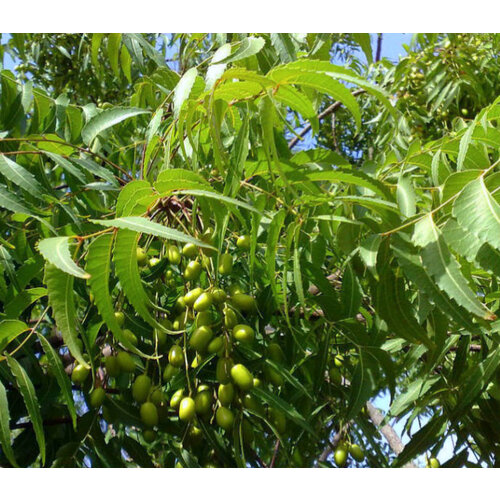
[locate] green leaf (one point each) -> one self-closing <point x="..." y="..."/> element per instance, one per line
<point x="478" y="212"/>
<point x="414" y="391"/>
<point x="21" y="177"/>
<point x="22" y="300"/>
<point x="444" y="268"/>
<point x="9" y="330"/>
<point x="62" y="377"/>
<point x="216" y="69"/>
<point x="364" y="41"/>
<point x="179" y="178"/>
<point x="114" y="40"/>
<point x="106" y="119"/>
<point x="99" y="267"/>
<point x="143" y="225"/>
<point x="183" y="89"/>
<point x="351" y="293"/>
<point x="284" y="46"/>
<point x="95" y="44"/>
<point x="406" y="196"/>
<point x="247" y="48"/>
<point x="135" y="198"/>
<point x="61" y="299"/>
<point x="273" y="236"/>
<point x="56" y="251"/>
<point x="11" y="202"/>
<point x="363" y="384"/>
<point x="31" y="401"/>
<point x="4" y="426"/>
<point x="67" y="166"/>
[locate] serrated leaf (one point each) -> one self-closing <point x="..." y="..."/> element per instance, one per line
<point x="106" y="119"/>
<point x="61" y="299"/>
<point x="9" y="330"/>
<point x="11" y="202"/>
<point x="183" y="89"/>
<point x="134" y="198"/>
<point x="179" y="178"/>
<point x="56" y="251"/>
<point x="30" y="400"/>
<point x="406" y="196"/>
<point x="216" y="69"/>
<point x="4" y="427"/>
<point x="351" y="292"/>
<point x="248" y="47"/>
<point x="62" y="377"/>
<point x="21" y="177"/>
<point x="363" y="383"/>
<point x="114" y="40"/>
<point x="22" y="300"/>
<point x="444" y="268"/>
<point x="364" y="41"/>
<point x="272" y="246"/>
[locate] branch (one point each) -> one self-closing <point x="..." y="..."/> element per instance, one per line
<point x="378" y="54"/>
<point x="328" y="111"/>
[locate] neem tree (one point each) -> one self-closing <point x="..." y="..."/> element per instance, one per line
<point x="180" y="285"/>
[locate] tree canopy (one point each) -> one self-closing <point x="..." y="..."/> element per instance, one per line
<point x="216" y="250"/>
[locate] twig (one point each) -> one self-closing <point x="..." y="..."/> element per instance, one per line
<point x="275" y="453"/>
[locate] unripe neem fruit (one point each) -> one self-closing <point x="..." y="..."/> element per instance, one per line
<point x="173" y="255"/>
<point x="131" y="337"/>
<point x="242" y="377"/>
<point x="189" y="250"/>
<point x="339" y="360"/>
<point x="219" y="295"/>
<point x="187" y="409"/>
<point x="251" y="403"/>
<point x="125" y="362"/>
<point x="273" y="376"/>
<point x="170" y="372"/>
<point x="141" y="388"/>
<point x="223" y="370"/>
<point x="120" y="318"/>
<point x="97" y="397"/>
<point x="243" y="302"/>
<point x="224" y="418"/>
<point x="153" y="261"/>
<point x="275" y="353"/>
<point x="204" y="318"/>
<point x="340" y="456"/>
<point x="203" y="302"/>
<point x="192" y="271"/>
<point x="225" y="394"/>
<point x="142" y="256"/>
<point x="225" y="264"/>
<point x="203" y="402"/>
<point x="79" y="374"/>
<point x="433" y="463"/>
<point x="179" y="322"/>
<point x="200" y="338"/>
<point x="356" y="452"/>
<point x="244" y="333"/>
<point x="157" y="397"/>
<point x="180" y="304"/>
<point x="112" y="366"/>
<point x="192" y="295"/>
<point x="176" y="356"/>
<point x="149" y="435"/>
<point x="243" y="242"/>
<point x="230" y="318"/>
<point x="176" y="398"/>
<point x="235" y="288"/>
<point x="149" y="414"/>
<point x="216" y="345"/>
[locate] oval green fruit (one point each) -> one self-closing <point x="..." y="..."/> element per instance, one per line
<point x="356" y="452"/>
<point x="142" y="256"/>
<point x="243" y="302"/>
<point x="192" y="271"/>
<point x="141" y="388"/>
<point x="243" y="242"/>
<point x="170" y="372"/>
<point x="225" y="264"/>
<point x="225" y="394"/>
<point x="275" y="353"/>
<point x="157" y="397"/>
<point x="274" y="376"/>
<point x="338" y="360"/>
<point x="131" y="337"/>
<point x="173" y="255"/>
<point x="149" y="435"/>
<point x="251" y="403"/>
<point x="97" y="397"/>
<point x="244" y="333"/>
<point x="112" y="366"/>
<point x="149" y="414"/>
<point x="433" y="463"/>
<point x="340" y="456"/>
<point x="125" y="362"/>
<point x="204" y="318"/>
<point x="278" y="419"/>
<point x="203" y="302"/>
<point x="187" y="409"/>
<point x="153" y="261"/>
<point x="216" y="345"/>
<point x="180" y="304"/>
<point x="176" y="398"/>
<point x="79" y="374"/>
<point x="192" y="295"/>
<point x="219" y="296"/>
<point x="203" y="402"/>
<point x="176" y="356"/>
<point x="189" y="250"/>
<point x="230" y="318"/>
<point x="224" y="418"/>
<point x="223" y="370"/>
<point x="235" y="288"/>
<point x="120" y="318"/>
<point x="242" y="377"/>
<point x="200" y="338"/>
<point x="179" y="322"/>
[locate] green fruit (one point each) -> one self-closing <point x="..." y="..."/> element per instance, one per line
<point x="356" y="452"/>
<point x="242" y="377"/>
<point x="179" y="322"/>
<point x="192" y="295"/>
<point x="189" y="250"/>
<point x="200" y="338"/>
<point x="340" y="456"/>
<point x="335" y="376"/>
<point x="196" y="361"/>
<point x="153" y="261"/>
<point x="142" y="256"/>
<point x="275" y="353"/>
<point x="433" y="463"/>
<point x="80" y="374"/>
<point x="243" y="242"/>
<point x="251" y="403"/>
<point x="120" y="318"/>
<point x="195" y="436"/>
<point x="157" y="397"/>
<point x="170" y="372"/>
<point x="273" y="376"/>
<point x="112" y="366"/>
<point x="278" y="419"/>
<point x="149" y="414"/>
<point x="223" y="370"/>
<point x="226" y="264"/>
<point x="235" y="288"/>
<point x="244" y="333"/>
<point x="493" y="389"/>
<point x="187" y="409"/>
<point x="204" y="318"/>
<point x="225" y="394"/>
<point x="97" y="397"/>
<point x="173" y="255"/>
<point x="203" y="302"/>
<point x="243" y="302"/>
<point x="203" y="402"/>
<point x="257" y="382"/>
<point x="224" y="418"/>
<point x="205" y="261"/>
<point x="149" y="435"/>
<point x="338" y="360"/>
<point x="464" y="111"/>
<point x="141" y="388"/>
<point x="131" y="337"/>
<point x="192" y="271"/>
<point x="125" y="362"/>
<point x="176" y="398"/>
<point x="160" y="338"/>
<point x="216" y="345"/>
<point x="180" y="304"/>
<point x="176" y="356"/>
<point x="45" y="364"/>
<point x="230" y="318"/>
<point x="218" y="295"/>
